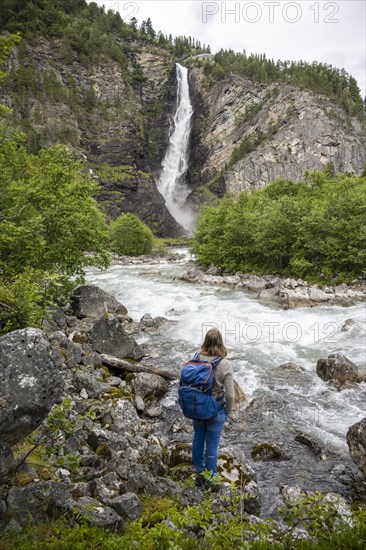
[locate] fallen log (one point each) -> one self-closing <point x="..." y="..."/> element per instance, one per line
<point x="137" y="367"/>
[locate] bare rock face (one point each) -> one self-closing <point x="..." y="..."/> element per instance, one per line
<point x="30" y="383"/>
<point x="356" y="439"/>
<point x="299" y="131"/>
<point x="109" y="337"/>
<point x="92" y="301"/>
<point x="337" y="368"/>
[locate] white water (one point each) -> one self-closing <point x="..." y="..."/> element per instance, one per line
<point x="256" y="348"/>
<point x="174" y="167"/>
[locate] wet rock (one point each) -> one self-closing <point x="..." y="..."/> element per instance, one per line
<point x="269" y="293"/>
<point x="348" y="323"/>
<point x="309" y="442"/>
<point x="356" y="440"/>
<point x="268" y="451"/>
<point x="70" y="351"/>
<point x="295" y="298"/>
<point x="337" y="368"/>
<point x="110" y="338"/>
<point x="290" y="367"/>
<point x="150" y="385"/>
<point x="128" y="505"/>
<point x="30" y="383"/>
<point x="92" y="301"/>
<point x="264" y="403"/>
<point x="318" y="295"/>
<point x="148" y="322"/>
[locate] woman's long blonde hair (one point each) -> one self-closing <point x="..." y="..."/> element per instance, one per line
<point x="213" y="344"/>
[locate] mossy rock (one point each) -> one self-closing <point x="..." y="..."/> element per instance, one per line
<point x="267" y="451"/>
<point x="157" y="509"/>
<point x="180" y="454"/>
<point x="104" y="451"/>
<point x="232" y="472"/>
<point x="120" y="393"/>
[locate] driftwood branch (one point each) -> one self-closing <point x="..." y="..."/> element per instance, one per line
<point x="137" y="367"/>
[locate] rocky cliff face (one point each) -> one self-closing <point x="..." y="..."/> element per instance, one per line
<point x="117" y="117"/>
<point x="281" y="132"/>
<point x="114" y="117"/>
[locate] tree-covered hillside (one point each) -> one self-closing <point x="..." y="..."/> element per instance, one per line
<point x="87" y="30"/>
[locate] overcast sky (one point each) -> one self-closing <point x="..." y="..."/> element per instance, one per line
<point x="324" y="31"/>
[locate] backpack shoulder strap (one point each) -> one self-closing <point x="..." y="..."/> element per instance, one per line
<point x="216" y="361"/>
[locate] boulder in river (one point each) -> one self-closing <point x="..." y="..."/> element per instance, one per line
<point x="337" y="368"/>
<point x="30" y="383"/>
<point x="356" y="439"/>
<point x="92" y="301"/>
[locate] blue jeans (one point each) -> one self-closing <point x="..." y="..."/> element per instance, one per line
<point x="207" y="434"/>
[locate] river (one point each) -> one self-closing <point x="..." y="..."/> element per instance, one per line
<point x="260" y="336"/>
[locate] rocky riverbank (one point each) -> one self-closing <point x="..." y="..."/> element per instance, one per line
<point x="116" y="432"/>
<point x="289" y="292"/>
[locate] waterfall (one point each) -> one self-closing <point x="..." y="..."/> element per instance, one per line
<point x="171" y="182"/>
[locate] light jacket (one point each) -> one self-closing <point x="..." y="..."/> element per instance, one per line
<point x="223" y="381"/>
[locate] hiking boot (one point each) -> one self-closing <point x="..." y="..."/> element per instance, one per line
<point x="200" y="480"/>
<point x="211" y="486"/>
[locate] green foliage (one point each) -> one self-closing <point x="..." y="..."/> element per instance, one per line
<point x="317" y="77"/>
<point x="130" y="236"/>
<point x="169" y="526"/>
<point x="313" y="229"/>
<point x="50" y="228"/>
<point x="88" y="32"/>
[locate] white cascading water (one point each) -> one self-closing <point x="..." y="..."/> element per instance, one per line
<point x="174" y="167"/>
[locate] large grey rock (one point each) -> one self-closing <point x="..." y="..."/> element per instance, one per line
<point x="92" y="301"/>
<point x="110" y="337"/>
<point x="97" y="514"/>
<point x="30" y="383"/>
<point x="338" y="368"/>
<point x="37" y="499"/>
<point x="150" y="385"/>
<point x="128" y="505"/>
<point x="356" y="439"/>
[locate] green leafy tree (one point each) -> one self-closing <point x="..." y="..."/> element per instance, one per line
<point x="313" y="229"/>
<point x="50" y="226"/>
<point x="130" y="236"/>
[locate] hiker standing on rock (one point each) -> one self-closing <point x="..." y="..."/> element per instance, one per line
<point x="209" y="402"/>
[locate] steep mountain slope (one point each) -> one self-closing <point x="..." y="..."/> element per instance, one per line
<point x="246" y="134"/>
<point x="116" y="118"/>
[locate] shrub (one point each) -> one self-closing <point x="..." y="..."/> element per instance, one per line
<point x="129" y="236"/>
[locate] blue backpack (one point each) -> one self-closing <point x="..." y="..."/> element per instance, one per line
<point x="195" y="389"/>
